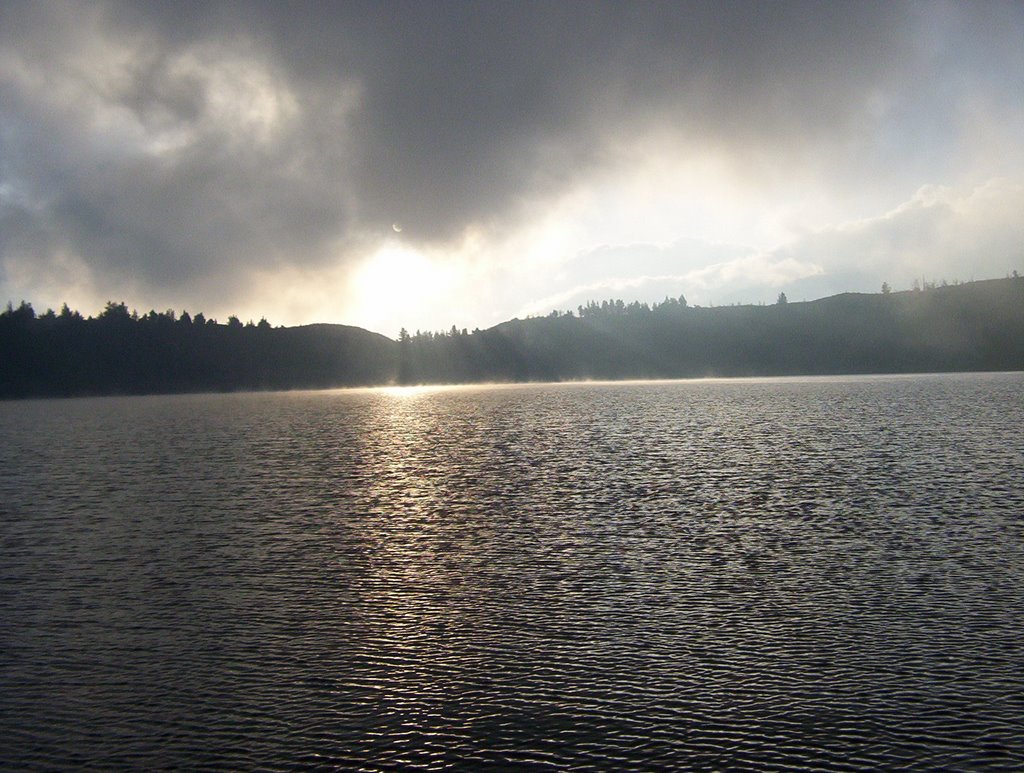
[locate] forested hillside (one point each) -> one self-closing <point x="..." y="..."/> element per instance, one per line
<point x="973" y="326"/>
<point x="118" y="353"/>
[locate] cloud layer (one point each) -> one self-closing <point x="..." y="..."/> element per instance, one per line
<point x="204" y="154"/>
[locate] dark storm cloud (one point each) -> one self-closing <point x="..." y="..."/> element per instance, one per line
<point x="185" y="142"/>
<point x="470" y="106"/>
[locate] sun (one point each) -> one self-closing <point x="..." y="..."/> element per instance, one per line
<point x="395" y="284"/>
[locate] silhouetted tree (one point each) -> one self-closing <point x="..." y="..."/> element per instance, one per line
<point x="115" y="312"/>
<point x="405" y="356"/>
<point x="67" y="315"/>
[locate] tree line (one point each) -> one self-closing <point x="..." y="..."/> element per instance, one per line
<point x="970" y="326"/>
<point x="120" y="352"/>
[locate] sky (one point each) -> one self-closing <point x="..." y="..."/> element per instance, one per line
<point x="429" y="164"/>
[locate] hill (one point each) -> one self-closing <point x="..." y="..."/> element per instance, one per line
<point x="972" y="326"/>
<point x="116" y="353"/>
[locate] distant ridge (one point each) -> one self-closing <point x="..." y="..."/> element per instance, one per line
<point x="66" y="355"/>
<point x="972" y="326"/>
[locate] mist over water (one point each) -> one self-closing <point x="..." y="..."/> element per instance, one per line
<point x="777" y="573"/>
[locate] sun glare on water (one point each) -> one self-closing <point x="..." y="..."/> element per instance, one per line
<point x="405" y="392"/>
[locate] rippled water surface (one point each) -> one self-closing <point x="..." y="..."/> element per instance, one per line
<point x="819" y="573"/>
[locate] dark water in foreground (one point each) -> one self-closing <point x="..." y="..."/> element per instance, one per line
<point x="819" y="573"/>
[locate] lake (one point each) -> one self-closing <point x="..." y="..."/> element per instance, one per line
<point x="763" y="574"/>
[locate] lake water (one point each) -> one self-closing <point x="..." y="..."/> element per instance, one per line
<point x="791" y="573"/>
